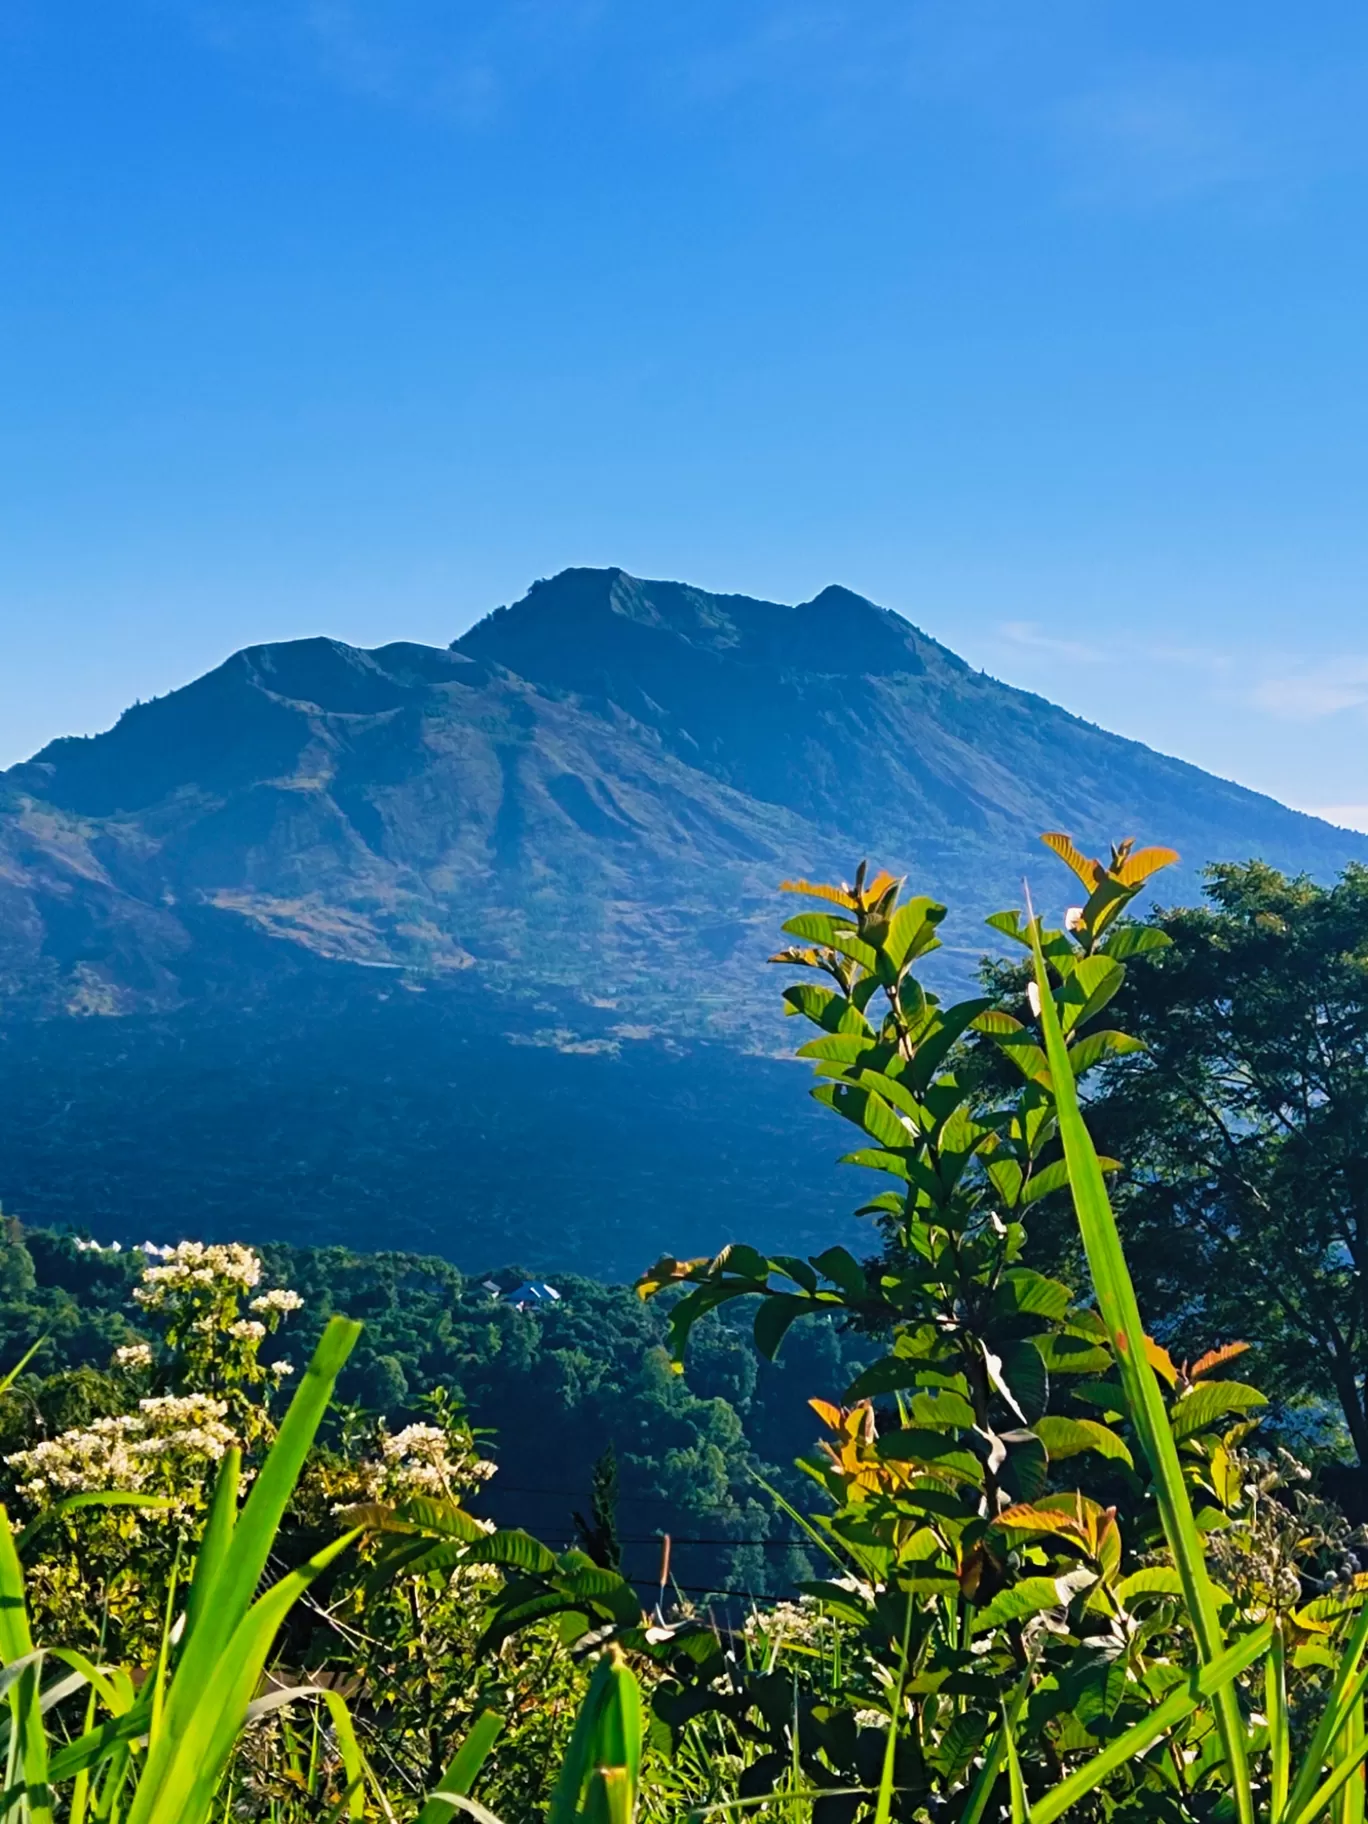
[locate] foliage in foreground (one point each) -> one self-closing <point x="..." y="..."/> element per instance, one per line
<point x="1061" y="1572"/>
<point x="1244" y="1127"/>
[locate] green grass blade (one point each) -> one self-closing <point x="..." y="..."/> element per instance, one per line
<point x="1349" y="1801"/>
<point x="1121" y="1313"/>
<point x="111" y="1497"/>
<point x="8" y="1380"/>
<point x="611" y="1797"/>
<point x="1348" y="1757"/>
<point x="607" y="1733"/>
<point x="1021" y="1810"/>
<point x="218" y="1531"/>
<point x="472" y="1808"/>
<point x="353" y="1761"/>
<point x="206" y="1665"/>
<point x="89" y="1751"/>
<point x="464" y="1770"/>
<point x="28" y="1757"/>
<point x="1345" y="1691"/>
<point x="1279" y="1732"/>
<point x="1203" y="1683"/>
<point x="202" y="1721"/>
<point x="982" y="1789"/>
<point x="256" y="1528"/>
<point x="883" y="1810"/>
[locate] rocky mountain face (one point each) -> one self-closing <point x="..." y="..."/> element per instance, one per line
<point x="595" y="791"/>
<point x="564" y="835"/>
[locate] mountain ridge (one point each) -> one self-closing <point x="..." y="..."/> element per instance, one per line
<point x="465" y="946"/>
<point x="609" y="774"/>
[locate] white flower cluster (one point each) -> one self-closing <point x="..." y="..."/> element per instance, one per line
<point x="125" y="1452"/>
<point x="278" y="1299"/>
<point x="247" y="1330"/>
<point x="801" y="1623"/>
<point x="418" y="1460"/>
<point x="194" y="1264"/>
<point x="133" y="1355"/>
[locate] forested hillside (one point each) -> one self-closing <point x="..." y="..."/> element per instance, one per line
<point x="465" y="948"/>
<point x="554" y="1388"/>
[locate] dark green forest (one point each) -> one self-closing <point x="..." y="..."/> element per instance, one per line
<point x="554" y="1388"/>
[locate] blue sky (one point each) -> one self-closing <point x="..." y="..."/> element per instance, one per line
<point x="1045" y="324"/>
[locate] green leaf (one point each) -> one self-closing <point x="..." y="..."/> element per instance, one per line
<point x="866" y="1110"/>
<point x="1209" y="1401"/>
<point x="1089" y="986"/>
<point x="844" y="1271"/>
<point x="1065" y="1354"/>
<point x="1067" y="1437"/>
<point x="825" y="1008"/>
<point x="1005" y="1175"/>
<point x="1030" y="1294"/>
<point x="941" y="1035"/>
<point x="746" y="1261"/>
<point x="1152" y="1580"/>
<point x="890" y="1374"/>
<point x="1027" y="1470"/>
<point x="912" y="931"/>
<point x="997" y="1024"/>
<point x="837" y="1047"/>
<point x="944" y="1411"/>
<point x="773" y="1318"/>
<point x="514" y="1549"/>
<point x="900" y="1165"/>
<point x="1021" y="1378"/>
<point x="464" y="1770"/>
<point x="817" y="927"/>
<point x="941" y="1453"/>
<point x="1098" y="1045"/>
<point x="1010" y="925"/>
<point x="1028" y="1058"/>
<point x="1032" y="1596"/>
<point x="855" y="948"/>
<point x="1052" y="1177"/>
<point x="1135" y="940"/>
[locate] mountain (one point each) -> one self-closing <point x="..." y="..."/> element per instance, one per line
<point x="556" y="844"/>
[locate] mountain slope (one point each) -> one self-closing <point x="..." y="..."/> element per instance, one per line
<point x="595" y="791"/>
<point x="464" y="949"/>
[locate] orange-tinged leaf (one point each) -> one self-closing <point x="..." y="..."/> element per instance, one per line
<point x="841" y="896"/>
<point x="1161" y="1361"/>
<point x="1215" y="1358"/>
<point x="1089" y="872"/>
<point x="876" y="888"/>
<point x="827" y="1413"/>
<point x="1027" y="1519"/>
<point x="1137" y="868"/>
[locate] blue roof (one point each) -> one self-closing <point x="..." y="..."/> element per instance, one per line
<point x="533" y="1292"/>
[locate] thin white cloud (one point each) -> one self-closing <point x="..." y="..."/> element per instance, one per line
<point x="1032" y="636"/>
<point x="1308" y="696"/>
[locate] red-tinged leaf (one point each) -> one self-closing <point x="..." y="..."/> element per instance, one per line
<point x="1215" y="1358"/>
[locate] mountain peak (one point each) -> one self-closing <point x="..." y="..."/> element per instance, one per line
<point x="838" y="597"/>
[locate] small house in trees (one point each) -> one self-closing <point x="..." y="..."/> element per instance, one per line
<point x="532" y="1295"/>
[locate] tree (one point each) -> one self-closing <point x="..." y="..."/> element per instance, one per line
<point x="1244" y="1127"/>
